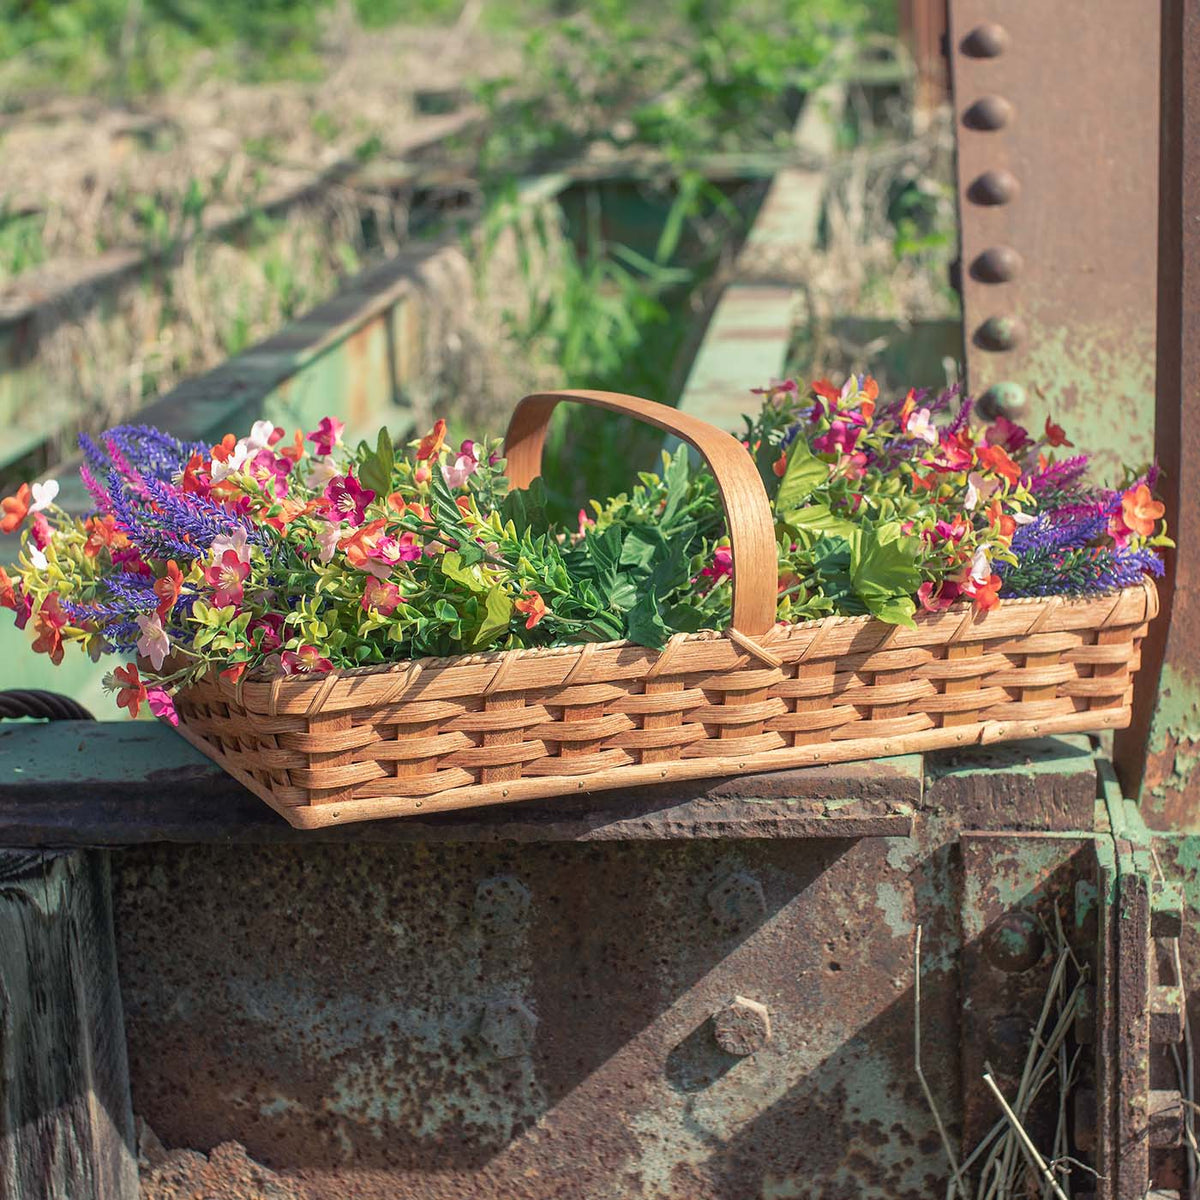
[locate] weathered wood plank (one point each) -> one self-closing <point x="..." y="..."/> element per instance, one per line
<point x="66" y="1127"/>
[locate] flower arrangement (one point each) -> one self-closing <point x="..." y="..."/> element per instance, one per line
<point x="264" y="554"/>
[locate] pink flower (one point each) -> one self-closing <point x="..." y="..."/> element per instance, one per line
<point x="226" y="576"/>
<point x="920" y="425"/>
<point x="348" y="499"/>
<point x="584" y="521"/>
<point x="463" y="467"/>
<point x="722" y="564"/>
<point x="306" y="660"/>
<point x="327" y="541"/>
<point x="327" y="435"/>
<point x="268" y="468"/>
<point x="24" y="609"/>
<point x="162" y="706"/>
<point x="381" y="596"/>
<point x="154" y="643"/>
<point x="40" y="532"/>
<point x="841" y="436"/>
<point x="934" y="598"/>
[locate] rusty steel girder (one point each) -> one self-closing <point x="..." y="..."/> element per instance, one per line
<point x="1057" y="111"/>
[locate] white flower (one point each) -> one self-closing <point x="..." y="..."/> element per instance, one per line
<point x="921" y="426"/>
<point x="43" y="495"/>
<point x="1023" y="518"/>
<point x="981" y="567"/>
<point x="235" y="462"/>
<point x="971" y="499"/>
<point x="235" y="541"/>
<point x="38" y="559"/>
<point x="323" y="470"/>
<point x="154" y="643"/>
<point x="328" y="541"/>
<point x="259" y="437"/>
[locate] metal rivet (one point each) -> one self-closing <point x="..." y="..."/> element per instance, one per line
<point x="988" y="40"/>
<point x="507" y="1028"/>
<point x="997" y="264"/>
<point x="1015" y="943"/>
<point x="1003" y="400"/>
<point x="999" y="333"/>
<point x="994" y="187"/>
<point x="742" y="1026"/>
<point x="988" y="114"/>
<point x="738" y="899"/>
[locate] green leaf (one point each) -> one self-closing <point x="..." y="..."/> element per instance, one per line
<point x="645" y="624"/>
<point x="884" y="564"/>
<point x="804" y="473"/>
<point x="452" y="567"/>
<point x="526" y="507"/>
<point x="817" y="518"/>
<point x="498" y="609"/>
<point x="896" y="611"/>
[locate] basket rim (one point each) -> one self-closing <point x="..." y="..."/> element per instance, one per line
<point x="304" y="681"/>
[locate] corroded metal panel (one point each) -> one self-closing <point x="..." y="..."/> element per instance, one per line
<point x="691" y="1020"/>
<point x="1057" y="118"/>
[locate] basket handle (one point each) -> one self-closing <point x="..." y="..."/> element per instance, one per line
<point x="747" y="509"/>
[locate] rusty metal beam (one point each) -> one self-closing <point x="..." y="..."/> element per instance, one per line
<point x="1156" y="756"/>
<point x="1057" y="107"/>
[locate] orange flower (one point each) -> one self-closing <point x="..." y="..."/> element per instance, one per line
<point x="295" y="452"/>
<point x="870" y="393"/>
<point x="1002" y="520"/>
<point x="779" y="466"/>
<point x="167" y="589"/>
<point x="359" y="544"/>
<point x="908" y="408"/>
<point x="533" y="606"/>
<point x="996" y="460"/>
<point x="1140" y="511"/>
<point x="234" y="673"/>
<point x="987" y="595"/>
<point x="103" y="533"/>
<point x="224" y="448"/>
<point x="8" y="594"/>
<point x="397" y="503"/>
<point x="49" y="624"/>
<point x="133" y="690"/>
<point x="15" y="509"/>
<point x="1056" y="435"/>
<point x="433" y="442"/>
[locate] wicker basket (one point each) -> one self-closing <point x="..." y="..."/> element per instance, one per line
<point x="448" y="733"/>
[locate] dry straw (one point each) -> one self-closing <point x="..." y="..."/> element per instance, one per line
<point x="450" y="733"/>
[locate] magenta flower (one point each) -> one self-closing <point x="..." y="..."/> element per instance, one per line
<point x="348" y="499"/>
<point x="1006" y="433"/>
<point x="463" y="467"/>
<point x="306" y="660"/>
<point x="271" y="625"/>
<point x="327" y="434"/>
<point x="162" y="706"/>
<point x="722" y="564"/>
<point x="267" y="467"/>
<point x="841" y="436"/>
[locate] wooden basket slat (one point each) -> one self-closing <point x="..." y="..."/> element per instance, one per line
<point x="486" y="729"/>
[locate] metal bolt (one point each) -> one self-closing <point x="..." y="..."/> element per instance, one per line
<point x="994" y="187"/>
<point x="999" y="333"/>
<point x="507" y="1028"/>
<point x="1003" y="400"/>
<point x="988" y="40"/>
<point x="1015" y="943"/>
<point x="742" y="1026"/>
<point x="501" y="904"/>
<point x="997" y="264"/>
<point x="988" y="114"/>
<point x="1164" y="1118"/>
<point x="738" y="899"/>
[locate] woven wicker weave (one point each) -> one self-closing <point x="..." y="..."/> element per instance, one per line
<point x="438" y="734"/>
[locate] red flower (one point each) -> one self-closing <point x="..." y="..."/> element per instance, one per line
<point x="359" y="544"/>
<point x="1006" y="525"/>
<point x="985" y="595"/>
<point x="103" y="533"/>
<point x="305" y="661"/>
<point x="954" y="453"/>
<point x="15" y="509"/>
<point x="1006" y="433"/>
<point x="779" y="466"/>
<point x="433" y="442"/>
<point x="133" y="690"/>
<point x="226" y="576"/>
<point x="167" y="589"/>
<point x="385" y="597"/>
<point x="49" y="625"/>
<point x="533" y="606"/>
<point x="1056" y="435"/>
<point x="234" y="673"/>
<point x="348" y="499"/>
<point x="1140" y="511"/>
<point x="271" y="625"/>
<point x="935" y="598"/>
<point x="824" y="388"/>
<point x="191" y="482"/>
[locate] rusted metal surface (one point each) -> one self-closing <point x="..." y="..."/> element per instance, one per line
<point x="923" y="30"/>
<point x="1158" y="755"/>
<point x="1058" y="108"/>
